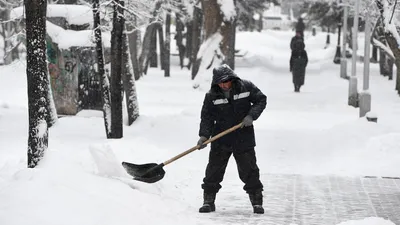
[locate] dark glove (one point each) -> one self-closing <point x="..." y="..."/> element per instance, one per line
<point x="247" y="121"/>
<point x="201" y="141"/>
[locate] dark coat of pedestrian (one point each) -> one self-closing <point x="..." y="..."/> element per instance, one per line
<point x="297" y="42"/>
<point x="298" y="64"/>
<point x="229" y="101"/>
<point x="300" y="26"/>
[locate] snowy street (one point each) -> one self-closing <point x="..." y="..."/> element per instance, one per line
<point x="313" y="150"/>
<point x="314" y="200"/>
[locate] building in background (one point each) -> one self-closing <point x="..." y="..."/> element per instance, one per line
<point x="274" y="19"/>
<point x="71" y="57"/>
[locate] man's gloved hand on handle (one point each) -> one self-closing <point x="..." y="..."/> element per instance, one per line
<point x="201" y="141"/>
<point x="247" y="121"/>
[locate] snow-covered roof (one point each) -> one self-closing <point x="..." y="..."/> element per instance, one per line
<point x="70" y="38"/>
<point x="74" y="14"/>
<point x="275" y="12"/>
<point x="272" y="10"/>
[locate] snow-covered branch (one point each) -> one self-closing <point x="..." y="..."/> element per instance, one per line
<point x="387" y="11"/>
<point x="383" y="47"/>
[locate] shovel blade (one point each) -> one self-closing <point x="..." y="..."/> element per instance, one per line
<point x="148" y="173"/>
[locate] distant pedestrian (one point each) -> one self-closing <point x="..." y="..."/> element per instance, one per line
<point x="298" y="62"/>
<point x="300" y="27"/>
<point x="297" y="42"/>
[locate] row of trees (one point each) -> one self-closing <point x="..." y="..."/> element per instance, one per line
<point x="202" y="27"/>
<point x="329" y="14"/>
<point x="386" y="34"/>
<point x="196" y="23"/>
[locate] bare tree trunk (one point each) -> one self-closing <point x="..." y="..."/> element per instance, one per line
<point x="167" y="52"/>
<point x="260" y="21"/>
<point x="8" y="44"/>
<point x="398" y="75"/>
<point x="389" y="65"/>
<point x="129" y="83"/>
<point x="3" y="33"/>
<point x="190" y="35"/>
<point x="228" y="31"/>
<point x="144" y="56"/>
<point x="382" y="61"/>
<point x="153" y="51"/>
<point x="51" y="107"/>
<point x="196" y="39"/>
<point x="104" y="82"/>
<point x="153" y="43"/>
<point x="15" y="51"/>
<point x="385" y="63"/>
<point x="116" y="71"/>
<point x="214" y="23"/>
<point x="392" y="42"/>
<point x="378" y="34"/>
<point x="212" y="17"/>
<point x="179" y="38"/>
<point x="38" y="83"/>
<point x="350" y="38"/>
<point x="245" y="22"/>
<point x="328" y="37"/>
<point x="134" y="39"/>
<point x="374" y="54"/>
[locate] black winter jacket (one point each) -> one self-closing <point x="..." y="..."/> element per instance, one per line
<point x="298" y="64"/>
<point x="302" y="54"/>
<point x="300" y="26"/>
<point x="219" y="113"/>
<point x="295" y="41"/>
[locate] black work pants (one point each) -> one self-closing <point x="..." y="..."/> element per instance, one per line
<point x="246" y="164"/>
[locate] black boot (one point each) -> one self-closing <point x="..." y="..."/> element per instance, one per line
<point x="208" y="205"/>
<point x="256" y="200"/>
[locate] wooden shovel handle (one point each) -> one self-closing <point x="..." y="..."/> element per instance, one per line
<point x="206" y="142"/>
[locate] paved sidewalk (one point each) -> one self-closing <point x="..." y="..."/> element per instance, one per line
<point x="312" y="200"/>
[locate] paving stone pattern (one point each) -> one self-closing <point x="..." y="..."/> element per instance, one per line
<point x="309" y="200"/>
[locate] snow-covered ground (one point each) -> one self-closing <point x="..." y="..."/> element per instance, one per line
<point x="80" y="180"/>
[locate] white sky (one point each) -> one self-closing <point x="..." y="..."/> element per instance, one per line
<point x="80" y="180"/>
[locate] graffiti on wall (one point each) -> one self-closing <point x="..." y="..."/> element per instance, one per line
<point x="63" y="70"/>
<point x="69" y="66"/>
<point x="74" y="80"/>
<point x="52" y="63"/>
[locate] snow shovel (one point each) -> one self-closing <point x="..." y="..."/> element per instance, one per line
<point x="153" y="172"/>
